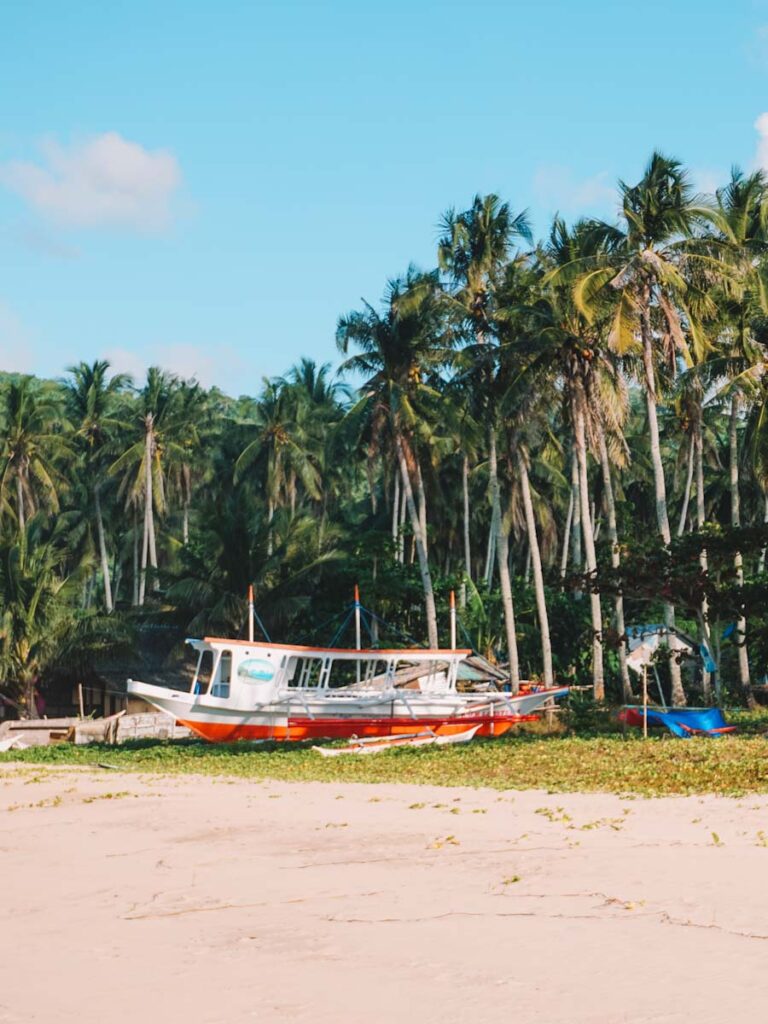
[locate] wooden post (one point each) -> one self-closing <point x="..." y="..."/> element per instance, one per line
<point x="250" y="613"/>
<point x="80" y="699"/>
<point x="645" y="702"/>
<point x="453" y="621"/>
<point x="358" y="637"/>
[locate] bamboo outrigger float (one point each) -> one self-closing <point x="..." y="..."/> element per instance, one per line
<point x="247" y="689"/>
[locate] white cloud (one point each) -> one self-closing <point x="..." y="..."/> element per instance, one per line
<point x="556" y="187"/>
<point x="218" y="366"/>
<point x="40" y="239"/>
<point x="757" y="48"/>
<point x="707" y="181"/>
<point x="761" y="127"/>
<point x="106" y="180"/>
<point x="122" y="360"/>
<point x="15" y="342"/>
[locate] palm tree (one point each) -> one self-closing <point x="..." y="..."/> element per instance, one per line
<point x="743" y="208"/>
<point x="92" y="400"/>
<point x="655" y="272"/>
<point x="319" y="402"/>
<point x="522" y="457"/>
<point x="164" y="430"/>
<point x="402" y="350"/>
<point x="32" y="442"/>
<point x="186" y="463"/>
<point x="524" y="407"/>
<point x="231" y="552"/>
<point x="573" y="346"/>
<point x="35" y="597"/>
<point x="473" y="251"/>
<point x="689" y="402"/>
<point x="465" y="442"/>
<point x="283" y="419"/>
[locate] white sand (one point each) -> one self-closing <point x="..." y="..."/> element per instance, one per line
<point x="201" y="900"/>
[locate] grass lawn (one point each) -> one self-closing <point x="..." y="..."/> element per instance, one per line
<point x="597" y="761"/>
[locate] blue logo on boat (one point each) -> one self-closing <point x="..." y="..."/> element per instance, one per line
<point x="256" y="669"/>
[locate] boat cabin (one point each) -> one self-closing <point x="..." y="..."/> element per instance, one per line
<point x="243" y="672"/>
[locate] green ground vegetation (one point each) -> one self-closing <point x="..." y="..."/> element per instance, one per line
<point x="599" y="759"/>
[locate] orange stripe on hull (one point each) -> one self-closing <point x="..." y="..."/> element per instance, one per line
<point x="344" y="728"/>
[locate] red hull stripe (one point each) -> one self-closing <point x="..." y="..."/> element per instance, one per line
<point x="344" y="728"/>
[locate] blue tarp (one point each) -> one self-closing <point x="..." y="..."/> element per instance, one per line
<point x="705" y="720"/>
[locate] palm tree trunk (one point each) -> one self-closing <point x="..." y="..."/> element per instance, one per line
<point x="29" y="695"/>
<point x="706" y="680"/>
<point x="135" y="555"/>
<point x="741" y="622"/>
<point x="152" y="542"/>
<point x="490" y="553"/>
<point x="401" y="533"/>
<point x="144" y="553"/>
<point x="566" y="537"/>
<point x="185" y="523"/>
<point x="421" y="550"/>
<point x="613" y="536"/>
<point x="598" y="678"/>
<point x="149" y="516"/>
<point x="186" y="487"/>
<point x="422" y="496"/>
<point x="270" y="517"/>
<point x="660" y="487"/>
<point x="371" y="486"/>
<point x="577" y="562"/>
<point x="687" y="494"/>
<point x="761" y="564"/>
<point x="395" y="509"/>
<point x="20" y="501"/>
<point x="152" y="546"/>
<point x="502" y="555"/>
<point x="538" y="575"/>
<point x="103" y="550"/>
<point x="465" y="491"/>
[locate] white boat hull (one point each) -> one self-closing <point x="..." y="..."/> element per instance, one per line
<point x="329" y="715"/>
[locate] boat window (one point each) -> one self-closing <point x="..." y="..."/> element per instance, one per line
<point x="310" y="673"/>
<point x="202" y="679"/>
<point x="221" y="687"/>
<point x="368" y="672"/>
<point x="290" y="672"/>
<point x="376" y="673"/>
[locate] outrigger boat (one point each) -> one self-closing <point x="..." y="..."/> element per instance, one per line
<point x="250" y="690"/>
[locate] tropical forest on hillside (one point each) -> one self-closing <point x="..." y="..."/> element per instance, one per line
<point x="571" y="433"/>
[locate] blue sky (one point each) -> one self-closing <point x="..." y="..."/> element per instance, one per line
<point x="207" y="186"/>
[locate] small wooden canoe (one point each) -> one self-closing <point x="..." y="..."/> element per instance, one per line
<point x="376" y="744"/>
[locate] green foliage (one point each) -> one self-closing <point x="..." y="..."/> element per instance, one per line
<point x="639" y="347"/>
<point x="732" y="766"/>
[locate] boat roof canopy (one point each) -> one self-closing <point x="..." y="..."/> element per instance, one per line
<point x="345" y="653"/>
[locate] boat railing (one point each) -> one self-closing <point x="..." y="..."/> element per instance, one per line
<point x="301" y="699"/>
<point x="405" y="701"/>
<point x="486" y="705"/>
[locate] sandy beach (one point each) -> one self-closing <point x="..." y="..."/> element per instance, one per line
<point x="131" y="897"/>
